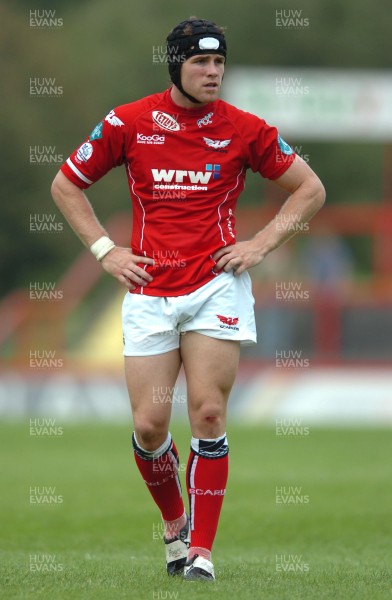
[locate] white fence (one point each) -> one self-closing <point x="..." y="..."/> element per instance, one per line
<point x="317" y="396"/>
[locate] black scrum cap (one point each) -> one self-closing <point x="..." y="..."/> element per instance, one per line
<point x="189" y="38"/>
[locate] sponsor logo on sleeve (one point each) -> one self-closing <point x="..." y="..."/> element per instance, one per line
<point x="84" y="152"/>
<point x="112" y="119"/>
<point x="165" y="121"/>
<point x="285" y="148"/>
<point x="96" y="133"/>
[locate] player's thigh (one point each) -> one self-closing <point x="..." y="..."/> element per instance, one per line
<point x="210" y="366"/>
<point x="150" y="381"/>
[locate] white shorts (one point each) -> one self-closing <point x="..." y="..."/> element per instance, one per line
<point x="222" y="309"/>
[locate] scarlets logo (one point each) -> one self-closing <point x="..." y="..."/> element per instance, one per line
<point x="228" y="322"/>
<point x="113" y="120"/>
<point x="216" y="144"/>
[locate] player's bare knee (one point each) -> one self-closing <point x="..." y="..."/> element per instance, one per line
<point x="150" y="436"/>
<point x="208" y="421"/>
<point x="212" y="419"/>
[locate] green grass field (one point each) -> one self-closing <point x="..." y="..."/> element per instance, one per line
<point x="101" y="539"/>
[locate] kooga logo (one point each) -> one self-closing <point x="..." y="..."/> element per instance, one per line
<point x="165" y="121"/>
<point x="171" y="175"/>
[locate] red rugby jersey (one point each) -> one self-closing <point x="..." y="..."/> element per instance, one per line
<point x="186" y="169"/>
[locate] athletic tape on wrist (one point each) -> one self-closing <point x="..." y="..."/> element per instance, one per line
<point x="101" y="247"/>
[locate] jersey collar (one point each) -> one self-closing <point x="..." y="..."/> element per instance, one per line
<point x="191" y="112"/>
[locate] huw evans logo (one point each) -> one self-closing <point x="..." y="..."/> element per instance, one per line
<point x="45" y="19"/>
<point x="290" y="563"/>
<point x="45" y="155"/>
<point x="291" y="19"/>
<point x="45" y="87"/>
<point x="45" y="563"/>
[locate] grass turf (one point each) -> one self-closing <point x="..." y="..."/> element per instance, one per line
<point x="304" y="517"/>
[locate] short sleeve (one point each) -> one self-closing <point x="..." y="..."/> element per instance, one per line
<point x="268" y="153"/>
<point x="103" y="150"/>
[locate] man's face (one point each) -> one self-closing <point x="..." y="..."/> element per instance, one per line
<point x="201" y="76"/>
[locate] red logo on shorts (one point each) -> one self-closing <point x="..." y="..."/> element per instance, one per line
<point x="228" y="320"/>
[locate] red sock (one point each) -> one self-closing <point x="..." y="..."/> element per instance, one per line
<point x="206" y="478"/>
<point x="159" y="470"/>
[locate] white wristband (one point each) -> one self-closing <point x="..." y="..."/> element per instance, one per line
<point x="101" y="247"/>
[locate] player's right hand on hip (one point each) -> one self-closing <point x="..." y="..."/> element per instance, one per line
<point x="122" y="264"/>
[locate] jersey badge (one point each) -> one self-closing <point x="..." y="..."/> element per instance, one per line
<point x="228" y="322"/>
<point x="113" y="120"/>
<point x="85" y="151"/>
<point x="96" y="133"/>
<point x="216" y="144"/>
<point x="285" y="148"/>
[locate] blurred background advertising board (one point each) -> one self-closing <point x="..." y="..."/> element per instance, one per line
<point x="316" y="104"/>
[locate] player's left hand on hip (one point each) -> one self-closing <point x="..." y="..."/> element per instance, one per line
<point x="237" y="258"/>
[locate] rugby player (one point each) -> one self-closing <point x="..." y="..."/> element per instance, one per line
<point x="189" y="300"/>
